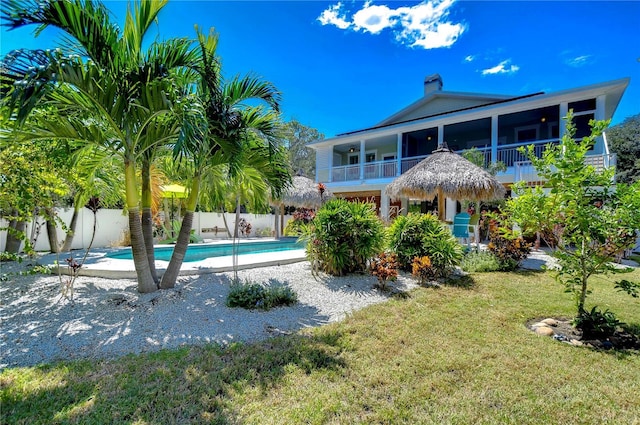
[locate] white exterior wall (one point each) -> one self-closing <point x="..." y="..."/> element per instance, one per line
<point x="111" y="226"/>
<point x="323" y="163"/>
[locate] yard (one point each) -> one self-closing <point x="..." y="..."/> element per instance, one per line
<point x="449" y="355"/>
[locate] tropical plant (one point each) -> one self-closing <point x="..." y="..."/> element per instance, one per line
<point x="479" y="262"/>
<point x="508" y="246"/>
<point x="254" y="295"/>
<point x="343" y="237"/>
<point x="623" y="141"/>
<point x="224" y="131"/>
<point x="118" y="94"/>
<point x="592" y="219"/>
<point x="419" y="235"/>
<point x="596" y="324"/>
<point x="423" y="269"/>
<point x="385" y="267"/>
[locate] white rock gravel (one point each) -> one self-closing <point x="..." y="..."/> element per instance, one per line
<point x="109" y="318"/>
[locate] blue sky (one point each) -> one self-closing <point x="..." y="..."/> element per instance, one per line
<point x="347" y="65"/>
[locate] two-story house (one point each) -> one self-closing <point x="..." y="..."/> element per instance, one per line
<point x="360" y="164"/>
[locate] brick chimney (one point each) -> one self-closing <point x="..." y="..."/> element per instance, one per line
<point x="432" y="83"/>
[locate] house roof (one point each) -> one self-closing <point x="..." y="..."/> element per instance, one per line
<point x="480" y="103"/>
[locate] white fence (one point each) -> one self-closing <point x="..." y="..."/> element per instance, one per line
<point x="111" y="226"/>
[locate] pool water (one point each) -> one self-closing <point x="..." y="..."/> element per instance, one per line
<point x="202" y="252"/>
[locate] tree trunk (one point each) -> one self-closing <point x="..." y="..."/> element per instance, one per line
<point x="276" y="224"/>
<point x="147" y="218"/>
<point x="52" y="231"/>
<point x="235" y="228"/>
<point x="224" y="219"/>
<point x="145" y="280"/>
<point x="68" y="240"/>
<point x="13" y="242"/>
<point x="170" y="276"/>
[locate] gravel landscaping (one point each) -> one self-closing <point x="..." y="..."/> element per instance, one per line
<point x="108" y="318"/>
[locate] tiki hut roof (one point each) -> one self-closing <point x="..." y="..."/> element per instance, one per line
<point x="447" y="173"/>
<point x="304" y="192"/>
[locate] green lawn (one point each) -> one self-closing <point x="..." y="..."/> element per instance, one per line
<point x="450" y="355"/>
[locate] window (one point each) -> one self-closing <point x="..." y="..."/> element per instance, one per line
<point x="583" y="112"/>
<point x="527" y="134"/>
<point x="370" y="157"/>
<point x="354" y="158"/>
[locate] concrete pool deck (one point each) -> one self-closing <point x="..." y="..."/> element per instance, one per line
<point x="98" y="264"/>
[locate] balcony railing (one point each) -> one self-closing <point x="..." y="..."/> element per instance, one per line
<point x="525" y="171"/>
<point x="515" y="161"/>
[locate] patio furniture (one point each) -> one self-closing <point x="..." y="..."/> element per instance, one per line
<point x="474" y="228"/>
<point x="460" y="227"/>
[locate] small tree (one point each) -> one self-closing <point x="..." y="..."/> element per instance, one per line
<point x="590" y="218"/>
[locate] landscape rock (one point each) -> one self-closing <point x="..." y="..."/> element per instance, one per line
<point x="544" y="331"/>
<point x="550" y="322"/>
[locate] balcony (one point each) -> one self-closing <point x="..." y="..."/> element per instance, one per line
<point x="518" y="167"/>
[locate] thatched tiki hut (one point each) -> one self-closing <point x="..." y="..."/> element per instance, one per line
<point x="303" y="193"/>
<point x="446" y="174"/>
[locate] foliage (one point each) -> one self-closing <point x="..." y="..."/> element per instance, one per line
<point x="624" y="140"/>
<point x="423" y="269"/>
<point x="631" y="288"/>
<point x="301" y="217"/>
<point x="419" y="235"/>
<point x="596" y="324"/>
<point x="508" y="247"/>
<point x="591" y="219"/>
<point x="296" y="137"/>
<point x="385" y="268"/>
<point x="480" y="261"/>
<point x="343" y="237"/>
<point x="254" y="295"/>
<point x="10" y="256"/>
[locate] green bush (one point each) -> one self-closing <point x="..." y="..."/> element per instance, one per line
<point x="343" y="237"/>
<point x="596" y="324"/>
<point x="509" y="247"/>
<point x="420" y="235"/>
<point x="480" y="261"/>
<point x="253" y="295"/>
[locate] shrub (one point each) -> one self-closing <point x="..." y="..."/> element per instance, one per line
<point x="422" y="268"/>
<point x="301" y="217"/>
<point x="480" y="261"/>
<point x="253" y="295"/>
<point x="385" y="268"/>
<point x="509" y="247"/>
<point x="419" y="235"/>
<point x="343" y="237"/>
<point x="596" y="324"/>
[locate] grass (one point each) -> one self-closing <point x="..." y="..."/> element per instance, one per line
<point x="455" y="355"/>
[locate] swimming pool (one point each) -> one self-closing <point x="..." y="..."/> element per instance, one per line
<point x="202" y="252"/>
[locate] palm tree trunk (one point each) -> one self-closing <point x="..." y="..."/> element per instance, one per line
<point x="170" y="276"/>
<point x="145" y="280"/>
<point x="52" y="231"/>
<point x="224" y="220"/>
<point x="14" y="242"/>
<point x="235" y="228"/>
<point x="147" y="219"/>
<point x="276" y="224"/>
<point x="68" y="240"/>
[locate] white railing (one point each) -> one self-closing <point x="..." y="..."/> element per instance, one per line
<point x="511" y="155"/>
<point x="525" y="171"/>
<point x="345" y="173"/>
<point x="409" y="163"/>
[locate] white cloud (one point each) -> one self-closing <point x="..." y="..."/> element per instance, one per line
<point x="332" y="16"/>
<point x="424" y="25"/>
<point x="579" y="61"/>
<point x="502" y="68"/>
<point x="469" y="58"/>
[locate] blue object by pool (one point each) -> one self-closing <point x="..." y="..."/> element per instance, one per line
<point x="202" y="252"/>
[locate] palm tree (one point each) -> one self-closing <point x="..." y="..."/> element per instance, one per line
<point x="217" y="138"/>
<point x="119" y="91"/>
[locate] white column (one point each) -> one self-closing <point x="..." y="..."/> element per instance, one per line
<point x="440" y="135"/>
<point x="598" y="116"/>
<point x="450" y="209"/>
<point x="384" y="205"/>
<point x="404" y="204"/>
<point x="494" y="138"/>
<point x="564" y="110"/>
<point x="361" y="160"/>
<point x="330" y="176"/>
<point x="399" y="154"/>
